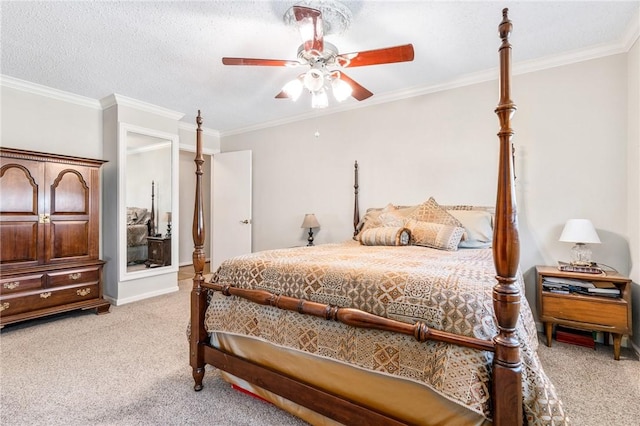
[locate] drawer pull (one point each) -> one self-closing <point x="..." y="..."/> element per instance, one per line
<point x="4" y="306"/>
<point x="75" y="276"/>
<point x="11" y="285"/>
<point x="83" y="291"/>
<point x="45" y="295"/>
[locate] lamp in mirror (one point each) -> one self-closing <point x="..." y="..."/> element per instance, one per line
<point x="167" y="218"/>
<point x="580" y="232"/>
<point x="310" y="222"/>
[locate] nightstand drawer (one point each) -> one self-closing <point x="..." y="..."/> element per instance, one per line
<point x="598" y="312"/>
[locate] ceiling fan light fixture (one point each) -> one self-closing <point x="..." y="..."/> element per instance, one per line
<point x="341" y="89"/>
<point x="319" y="99"/>
<point x="293" y="89"/>
<point x="314" y="80"/>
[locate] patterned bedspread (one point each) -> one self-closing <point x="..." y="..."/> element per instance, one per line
<point x="450" y="291"/>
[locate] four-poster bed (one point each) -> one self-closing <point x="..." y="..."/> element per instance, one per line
<point x="371" y="335"/>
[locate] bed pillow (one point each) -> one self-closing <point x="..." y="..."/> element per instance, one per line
<point x="435" y="235"/>
<point x="136" y="215"/>
<point x="478" y="226"/>
<point x="371" y="219"/>
<point x="394" y="219"/>
<point x="385" y="236"/>
<point x="431" y="211"/>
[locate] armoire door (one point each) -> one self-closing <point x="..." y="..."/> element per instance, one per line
<point x="22" y="213"/>
<point x="70" y="200"/>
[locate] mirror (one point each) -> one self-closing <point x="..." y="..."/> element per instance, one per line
<point x="147" y="202"/>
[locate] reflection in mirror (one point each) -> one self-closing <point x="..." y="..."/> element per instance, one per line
<point x="148" y="178"/>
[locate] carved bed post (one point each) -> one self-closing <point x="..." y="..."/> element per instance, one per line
<point x="356" y="207"/>
<point x="198" y="294"/>
<point x="152" y="220"/>
<point x="507" y="396"/>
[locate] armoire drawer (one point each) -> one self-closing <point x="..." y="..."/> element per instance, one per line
<point x="18" y="303"/>
<point x="21" y="283"/>
<point x="73" y="276"/>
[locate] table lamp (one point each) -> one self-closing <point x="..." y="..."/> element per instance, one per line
<point x="580" y="232"/>
<point x="167" y="217"/>
<point x="310" y="222"/>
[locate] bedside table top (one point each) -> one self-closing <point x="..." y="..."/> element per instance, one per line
<point x="605" y="276"/>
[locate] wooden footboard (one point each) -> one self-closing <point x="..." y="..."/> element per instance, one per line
<point x="506" y="383"/>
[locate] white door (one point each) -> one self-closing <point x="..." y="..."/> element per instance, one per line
<point x="231" y="199"/>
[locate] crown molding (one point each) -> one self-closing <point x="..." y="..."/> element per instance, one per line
<point x="41" y="90"/>
<point x="116" y="99"/>
<point x="190" y="127"/>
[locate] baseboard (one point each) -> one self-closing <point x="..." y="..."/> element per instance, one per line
<point x="138" y="297"/>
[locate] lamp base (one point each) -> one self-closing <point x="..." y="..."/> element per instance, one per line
<point x="580" y="255"/>
<point x="310" y="239"/>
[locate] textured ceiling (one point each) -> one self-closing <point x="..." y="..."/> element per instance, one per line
<point x="169" y="53"/>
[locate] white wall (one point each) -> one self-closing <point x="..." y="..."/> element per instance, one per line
<point x="571" y="143"/>
<point x="39" y="123"/>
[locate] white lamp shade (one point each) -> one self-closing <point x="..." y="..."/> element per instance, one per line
<point x="341" y="89"/>
<point x="310" y="221"/>
<point x="579" y="231"/>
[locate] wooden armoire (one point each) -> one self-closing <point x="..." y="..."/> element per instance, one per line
<point x="49" y="235"/>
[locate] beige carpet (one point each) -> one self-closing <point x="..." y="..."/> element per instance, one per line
<point x="130" y="367"/>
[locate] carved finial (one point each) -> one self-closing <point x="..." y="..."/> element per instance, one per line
<point x="505" y="27"/>
<point x="355" y="164"/>
<point x="199" y="119"/>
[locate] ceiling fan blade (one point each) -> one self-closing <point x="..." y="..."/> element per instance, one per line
<point x="260" y="62"/>
<point x="386" y="55"/>
<point x="311" y="28"/>
<point x="359" y="92"/>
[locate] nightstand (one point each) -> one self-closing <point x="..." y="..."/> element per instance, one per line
<point x="159" y="251"/>
<point x="586" y="312"/>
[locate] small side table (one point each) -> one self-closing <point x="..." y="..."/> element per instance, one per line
<point x="159" y="252"/>
<point x="586" y="312"/>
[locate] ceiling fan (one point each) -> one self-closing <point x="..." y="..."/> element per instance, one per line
<point x="325" y="63"/>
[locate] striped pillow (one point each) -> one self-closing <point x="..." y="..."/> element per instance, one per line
<point x="385" y="236"/>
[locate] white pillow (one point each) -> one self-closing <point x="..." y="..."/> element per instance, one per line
<point x="478" y="226"/>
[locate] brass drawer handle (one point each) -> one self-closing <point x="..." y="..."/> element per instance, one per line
<point x="45" y="295"/>
<point x="75" y="276"/>
<point x="83" y="291"/>
<point x="11" y="285"/>
<point x="4" y="306"/>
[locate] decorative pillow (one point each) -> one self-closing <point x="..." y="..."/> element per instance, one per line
<point x="435" y="235"/>
<point x="393" y="219"/>
<point x="478" y="225"/>
<point x="370" y="219"/>
<point x="385" y="236"/>
<point x="430" y="211"/>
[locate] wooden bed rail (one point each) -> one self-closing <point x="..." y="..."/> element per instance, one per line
<point x="350" y="316"/>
